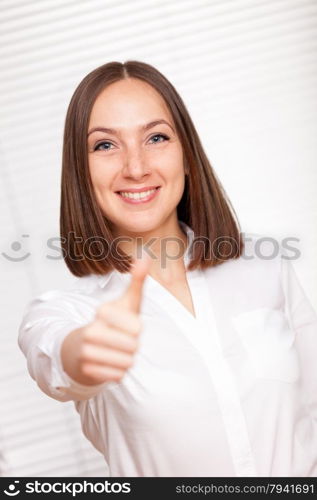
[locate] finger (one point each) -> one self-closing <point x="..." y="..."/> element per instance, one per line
<point x="133" y="295"/>
<point x="106" y="356"/>
<point x="111" y="314"/>
<point x="102" y="373"/>
<point x="110" y="337"/>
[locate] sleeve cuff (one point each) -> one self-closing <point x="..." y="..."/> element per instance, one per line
<point x="60" y="382"/>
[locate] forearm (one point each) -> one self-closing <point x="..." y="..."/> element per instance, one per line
<point x="70" y="357"/>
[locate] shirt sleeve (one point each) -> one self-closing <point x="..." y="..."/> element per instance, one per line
<point x="48" y="319"/>
<point x="303" y="320"/>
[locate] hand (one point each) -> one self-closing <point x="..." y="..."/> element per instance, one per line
<point x="103" y="350"/>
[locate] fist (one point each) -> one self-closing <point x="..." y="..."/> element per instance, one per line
<point x="104" y="349"/>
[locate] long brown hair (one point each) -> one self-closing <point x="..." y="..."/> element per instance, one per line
<point x="204" y="205"/>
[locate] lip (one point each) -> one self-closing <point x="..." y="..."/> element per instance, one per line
<point x="143" y="200"/>
<point x="138" y="190"/>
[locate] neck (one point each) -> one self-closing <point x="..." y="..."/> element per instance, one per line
<point x="166" y="245"/>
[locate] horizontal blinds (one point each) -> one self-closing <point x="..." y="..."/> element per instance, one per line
<point x="246" y="70"/>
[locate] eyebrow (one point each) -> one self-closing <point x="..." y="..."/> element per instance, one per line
<point x="145" y="127"/>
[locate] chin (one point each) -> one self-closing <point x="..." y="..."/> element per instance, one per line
<point x="139" y="227"/>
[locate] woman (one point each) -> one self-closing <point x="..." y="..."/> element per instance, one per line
<point x="199" y="359"/>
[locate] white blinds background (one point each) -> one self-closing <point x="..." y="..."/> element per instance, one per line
<point x="246" y="70"/>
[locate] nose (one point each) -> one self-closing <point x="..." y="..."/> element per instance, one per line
<point x="135" y="164"/>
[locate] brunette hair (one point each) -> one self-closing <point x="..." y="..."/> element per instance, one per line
<point x="204" y="205"/>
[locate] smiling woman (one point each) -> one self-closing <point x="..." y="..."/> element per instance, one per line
<point x="177" y="360"/>
<point x="128" y="131"/>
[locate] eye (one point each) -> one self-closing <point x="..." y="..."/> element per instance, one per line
<point x="159" y="136"/>
<point x="103" y="146"/>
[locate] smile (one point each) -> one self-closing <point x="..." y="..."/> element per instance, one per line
<point x="140" y="197"/>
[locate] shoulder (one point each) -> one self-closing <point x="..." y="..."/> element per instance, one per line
<point x="85" y="286"/>
<point x="260" y="252"/>
<point x="256" y="276"/>
<point x="266" y="252"/>
<point x="266" y="255"/>
<point x="268" y="246"/>
<point x="78" y="300"/>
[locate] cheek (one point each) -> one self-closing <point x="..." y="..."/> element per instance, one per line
<point x="100" y="174"/>
<point x="171" y="162"/>
<point x="175" y="171"/>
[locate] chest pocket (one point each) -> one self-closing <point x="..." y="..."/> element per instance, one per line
<point x="269" y="342"/>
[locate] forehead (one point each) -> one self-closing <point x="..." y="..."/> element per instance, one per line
<point x="128" y="102"/>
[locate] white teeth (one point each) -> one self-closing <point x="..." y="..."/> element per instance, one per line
<point x="137" y="196"/>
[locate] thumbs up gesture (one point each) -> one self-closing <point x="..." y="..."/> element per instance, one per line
<point x="103" y="350"/>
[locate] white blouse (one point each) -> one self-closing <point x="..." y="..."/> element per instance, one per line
<point x="232" y="392"/>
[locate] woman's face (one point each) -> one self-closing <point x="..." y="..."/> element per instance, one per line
<point x="141" y="151"/>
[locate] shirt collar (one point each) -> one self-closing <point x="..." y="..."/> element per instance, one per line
<point x="104" y="279"/>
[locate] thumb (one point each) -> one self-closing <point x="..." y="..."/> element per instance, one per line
<point x="133" y="295"/>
